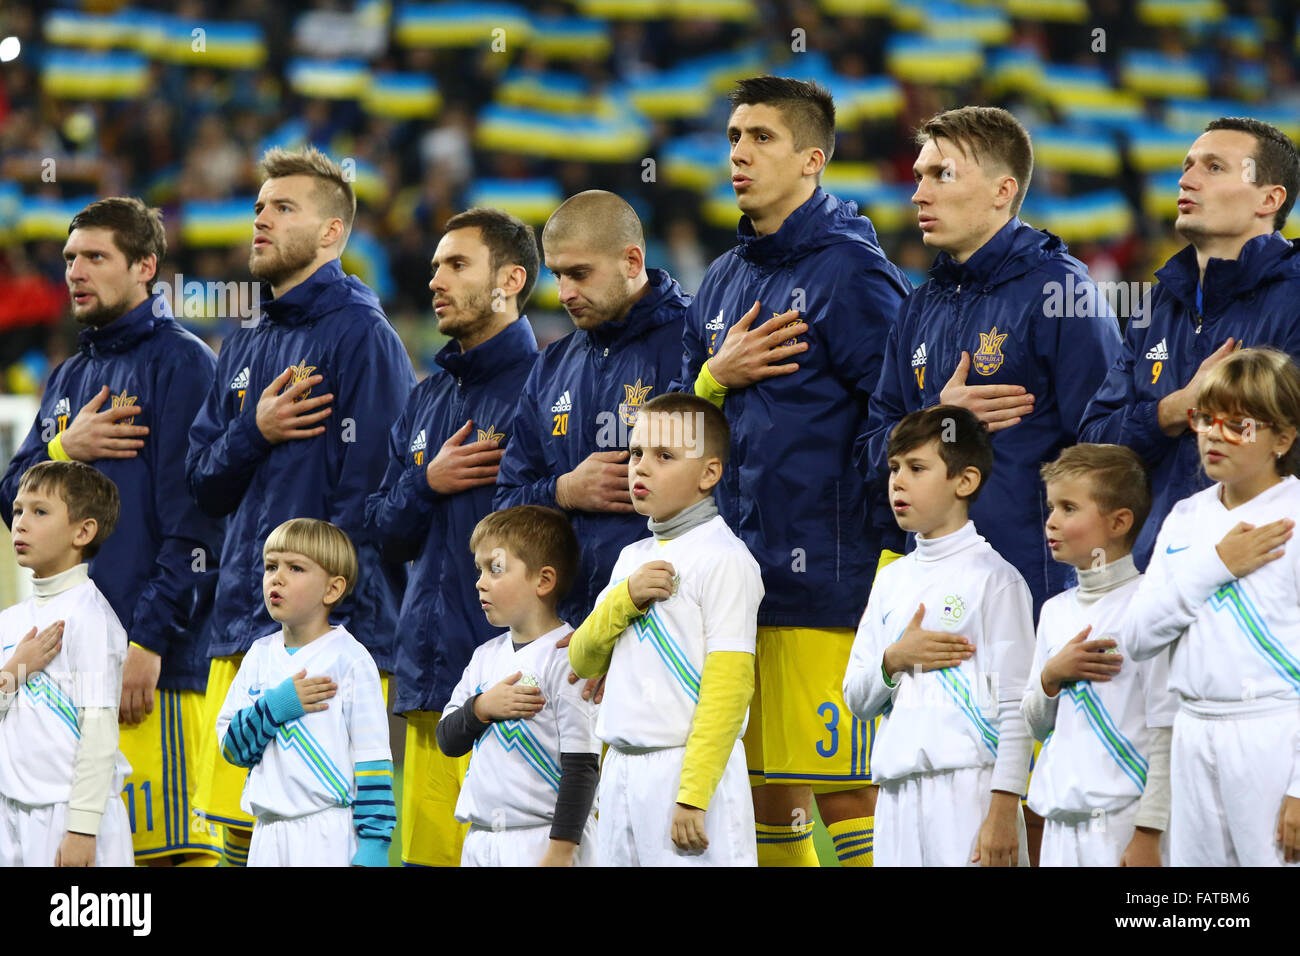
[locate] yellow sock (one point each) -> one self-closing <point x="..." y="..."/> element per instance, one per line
<point x="854" y="840"/>
<point x="235" y="850"/>
<point x="780" y="845"/>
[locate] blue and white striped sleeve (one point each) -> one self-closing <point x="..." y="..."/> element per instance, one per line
<point x="374" y="814"/>
<point x="245" y="728"/>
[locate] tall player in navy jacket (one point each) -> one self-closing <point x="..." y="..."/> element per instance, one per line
<point x="296" y="425"/>
<point x="790" y="489"/>
<point x="581" y="400"/>
<point x="158" y="569"/>
<point x="1009" y="326"/>
<point x="1236" y="283"/>
<point x="442" y="468"/>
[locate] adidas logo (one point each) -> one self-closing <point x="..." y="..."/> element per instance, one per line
<point x="63" y="408"/>
<point x="715" y="324"/>
<point x="564" y="403"/>
<point x="919" y="356"/>
<point x="1160" y="353"/>
<point x="420" y="441"/>
<point x="240" y="380"/>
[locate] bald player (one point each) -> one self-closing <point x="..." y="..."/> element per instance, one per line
<point x="582" y="397"/>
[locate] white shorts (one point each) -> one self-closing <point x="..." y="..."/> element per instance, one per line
<point x="521" y="846"/>
<point x="1229" y="769"/>
<point x="934" y="819"/>
<point x="1097" y="840"/>
<point x="324" y="838"/>
<point x="30" y="836"/>
<point x="638" y="793"/>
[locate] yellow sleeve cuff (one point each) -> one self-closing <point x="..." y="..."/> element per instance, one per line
<point x="707" y="387"/>
<point x="593" y="642"/>
<point x="55" y="449"/>
<point x="726" y="687"/>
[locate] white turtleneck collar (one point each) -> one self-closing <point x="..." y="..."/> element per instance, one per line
<point x="1095" y="582"/>
<point x="936" y="549"/>
<point x="47" y="589"/>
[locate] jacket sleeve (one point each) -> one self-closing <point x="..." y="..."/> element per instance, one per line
<point x="163" y="609"/>
<point x="524" y="478"/>
<point x="1116" y="416"/>
<point x="864" y="305"/>
<point x="1077" y="357"/>
<point x="30" y="452"/>
<point x="400" y="512"/>
<point x="694" y="353"/>
<point x="884" y="410"/>
<point x="224" y="451"/>
<point x="374" y="381"/>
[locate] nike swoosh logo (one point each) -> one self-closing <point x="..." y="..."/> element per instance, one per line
<point x="254" y="691"/>
<point x="1169" y="549"/>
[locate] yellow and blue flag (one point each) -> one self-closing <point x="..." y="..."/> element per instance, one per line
<point x="531" y="200"/>
<point x="1072" y="150"/>
<point x="1155" y="74"/>
<point x="112" y="75"/>
<point x="402" y="96"/>
<point x="1177" y="13"/>
<point x="1091" y="217"/>
<point x="570" y="38"/>
<point x="328" y="79"/>
<point x="427" y="25"/>
<point x="920" y="59"/>
<point x="222" y="222"/>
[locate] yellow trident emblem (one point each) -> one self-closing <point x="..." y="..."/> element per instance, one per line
<point x="301" y="372"/>
<point x="490" y="434"/>
<point x="635" y="395"/>
<point x="988" y="359"/>
<point x="124" y="401"/>
<point x="789" y="325"/>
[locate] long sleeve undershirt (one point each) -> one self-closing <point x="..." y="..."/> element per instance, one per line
<point x="579" y="773"/>
<point x="92" y="775"/>
<point x="726" y="687"/>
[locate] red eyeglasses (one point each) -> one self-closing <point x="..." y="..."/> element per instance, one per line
<point x="1234" y="430"/>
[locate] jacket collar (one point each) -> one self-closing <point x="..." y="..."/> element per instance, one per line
<point x="1262" y="260"/>
<point x="1012" y="251"/>
<point x="822" y="220"/>
<point x="647" y="312"/>
<point x="516" y="341"/>
<point x="127" y="329"/>
<point x="302" y="303"/>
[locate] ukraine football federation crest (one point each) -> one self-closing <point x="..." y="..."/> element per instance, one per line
<point x="124" y="401"/>
<point x="794" y="339"/>
<point x="490" y="434"/>
<point x="635" y="394"/>
<point x="988" y="358"/>
<point x="301" y="372"/>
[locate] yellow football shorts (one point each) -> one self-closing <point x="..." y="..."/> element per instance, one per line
<point x="221" y="784"/>
<point x="800" y="731"/>
<point x="164" y="755"/>
<point x="431" y="783"/>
